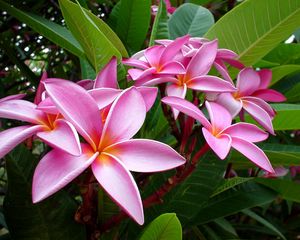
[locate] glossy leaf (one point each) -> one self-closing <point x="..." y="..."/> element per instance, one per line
<point x="254" y="28"/>
<point x="190" y="19"/>
<point x="53" y="218"/>
<point x="166" y="226"/>
<point x="54" y="32"/>
<point x="282" y="71"/>
<point x="284" y="54"/>
<point x="87" y="71"/>
<point x="160" y="25"/>
<point x="97" y="46"/>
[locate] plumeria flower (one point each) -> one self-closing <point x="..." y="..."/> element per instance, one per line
<point x="250" y="95"/>
<point x="104" y="89"/>
<point x="156" y="62"/>
<point x="220" y="135"/>
<point x="109" y="149"/>
<point x="52" y="129"/>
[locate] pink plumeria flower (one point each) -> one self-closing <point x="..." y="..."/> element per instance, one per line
<point x="250" y="95"/>
<point x="220" y="135"/>
<point x="156" y="62"/>
<point x="104" y="89"/>
<point x="109" y="150"/>
<point x="278" y="172"/>
<point x="52" y="129"/>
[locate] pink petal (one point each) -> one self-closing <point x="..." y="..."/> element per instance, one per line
<point x="208" y="83"/>
<point x="260" y="115"/>
<point x="125" y="118"/>
<point x="269" y="95"/>
<point x="120" y="185"/>
<point x="153" y="54"/>
<point x="248" y="81"/>
<point x="143" y="155"/>
<point x="135" y="63"/>
<point x="10" y="138"/>
<point x="172" y="49"/>
<point x="220" y="118"/>
<point x="233" y="105"/>
<point x="78" y="107"/>
<point x="246" y="131"/>
<point x="226" y="53"/>
<point x="261" y="103"/>
<point x="234" y="63"/>
<point x="87" y="84"/>
<point x="172" y="68"/>
<point x="63" y="136"/>
<point x="223" y="71"/>
<point x="21" y="110"/>
<point x="265" y="78"/>
<point x="13" y="97"/>
<point x="104" y="96"/>
<point x="174" y="90"/>
<point x="187" y="108"/>
<point x="47" y="106"/>
<point x="107" y="77"/>
<point x="40" y="89"/>
<point x="56" y="169"/>
<point x="252" y="152"/>
<point x="137" y="74"/>
<point x="149" y="95"/>
<point x="201" y="63"/>
<point x="220" y="145"/>
<point x="159" y="80"/>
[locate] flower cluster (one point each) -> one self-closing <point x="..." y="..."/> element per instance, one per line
<point x="107" y="117"/>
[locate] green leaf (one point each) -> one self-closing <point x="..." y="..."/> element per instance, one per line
<point x="284" y="54"/>
<point x="133" y="22"/>
<point x="95" y="42"/>
<point x="293" y="95"/>
<point x="279" y="155"/>
<point x="282" y="71"/>
<point x="52" y="31"/>
<point x="263" y="222"/>
<point x="244" y="196"/>
<point x="287" y="117"/>
<point x="87" y="71"/>
<point x="51" y="219"/>
<point x="254" y="28"/>
<point x="165" y="227"/>
<point x="229" y="183"/>
<point x="160" y="25"/>
<point x="265" y="64"/>
<point x="287" y="189"/>
<point x="190" y="19"/>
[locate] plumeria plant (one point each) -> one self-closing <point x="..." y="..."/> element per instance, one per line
<point x="170" y="128"/>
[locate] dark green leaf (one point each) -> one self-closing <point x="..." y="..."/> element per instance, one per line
<point x="87" y="71"/>
<point x="284" y="54"/>
<point x="282" y="71"/>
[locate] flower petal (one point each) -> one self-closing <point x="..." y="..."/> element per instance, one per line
<point x="40" y="89"/>
<point x="56" y="169"/>
<point x="252" y="152"/>
<point x="246" y="131"/>
<point x="223" y="71"/>
<point x="210" y="84"/>
<point x="107" y="77"/>
<point x="143" y="155"/>
<point x="47" y="106"/>
<point x="174" y="90"/>
<point x="269" y="95"/>
<point x="149" y="95"/>
<point x="226" y="53"/>
<point x="220" y="118"/>
<point x="260" y="115"/>
<point x="120" y="185"/>
<point x="220" y="145"/>
<point x="10" y="138"/>
<point x="157" y="80"/>
<point x="248" y="81"/>
<point x="201" y="63"/>
<point x="13" y="97"/>
<point x="78" y="107"/>
<point x="259" y="102"/>
<point x="87" y="84"/>
<point x="135" y="63"/>
<point x="153" y="54"/>
<point x="104" y="96"/>
<point x="233" y="105"/>
<point x="137" y="74"/>
<point x="125" y="118"/>
<point x="21" y="110"/>
<point x="172" y="68"/>
<point x="63" y="136"/>
<point x="187" y="108"/>
<point x="265" y="78"/>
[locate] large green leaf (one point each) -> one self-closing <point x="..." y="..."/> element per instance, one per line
<point x="51" y="219"/>
<point x="190" y="19"/>
<point x="164" y="227"/>
<point x="279" y="155"/>
<point x="293" y="95"/>
<point x="287" y="189"/>
<point x="284" y="70"/>
<point x="287" y="117"/>
<point x="133" y="22"/>
<point x="52" y="31"/>
<point x="254" y="28"/>
<point x="160" y="25"/>
<point x="243" y="196"/>
<point x="284" y="54"/>
<point x="95" y="42"/>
